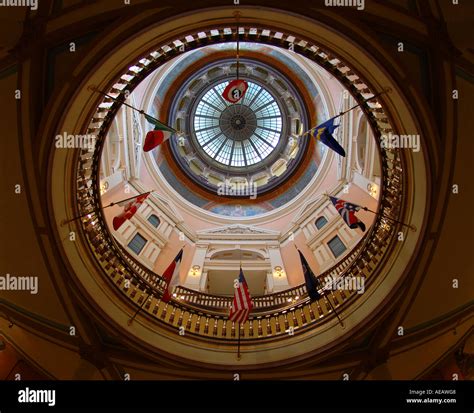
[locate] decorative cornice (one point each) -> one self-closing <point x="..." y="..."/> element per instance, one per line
<point x="238" y="232"/>
<point x="169" y="210"/>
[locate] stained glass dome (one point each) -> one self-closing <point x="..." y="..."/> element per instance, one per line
<point x="241" y="134"/>
<point x="256" y="140"/>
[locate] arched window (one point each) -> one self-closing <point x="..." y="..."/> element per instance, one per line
<point x="336" y="246"/>
<point x="137" y="243"/>
<point x="321" y="222"/>
<point x="154" y="220"/>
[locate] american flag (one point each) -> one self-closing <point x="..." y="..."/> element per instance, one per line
<point x="242" y="304"/>
<point x="347" y="212"/>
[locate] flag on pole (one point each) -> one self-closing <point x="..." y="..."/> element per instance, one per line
<point x="347" y="212"/>
<point x="158" y="135"/>
<point x="311" y="281"/>
<point x="171" y="276"/>
<point x="313" y="285"/>
<point x="130" y="208"/>
<point x="323" y="133"/>
<point x="242" y="304"/>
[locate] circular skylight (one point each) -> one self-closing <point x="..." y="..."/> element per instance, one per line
<point x="240" y="134"/>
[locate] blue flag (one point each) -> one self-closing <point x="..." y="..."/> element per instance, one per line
<point x="323" y="133"/>
<point x="312" y="283"/>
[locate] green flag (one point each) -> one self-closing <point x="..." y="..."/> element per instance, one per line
<point x="158" y="125"/>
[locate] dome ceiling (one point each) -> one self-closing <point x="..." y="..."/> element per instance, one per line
<point x="223" y="141"/>
<point x="238" y="135"/>
<point x="252" y="147"/>
<point x="357" y="259"/>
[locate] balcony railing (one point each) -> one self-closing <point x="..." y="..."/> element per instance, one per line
<point x="205" y="315"/>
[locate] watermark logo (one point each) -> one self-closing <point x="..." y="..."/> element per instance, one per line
<point x="65" y="141"/>
<point x="13" y="283"/>
<point x="349" y="283"/>
<point x="32" y="4"/>
<point x="28" y="395"/>
<point x="359" y="4"/>
<point x="239" y="189"/>
<point x="391" y="141"/>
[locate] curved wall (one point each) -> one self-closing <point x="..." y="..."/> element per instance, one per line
<point x="312" y="342"/>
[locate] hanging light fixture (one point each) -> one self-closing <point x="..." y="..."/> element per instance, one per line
<point x="236" y="89"/>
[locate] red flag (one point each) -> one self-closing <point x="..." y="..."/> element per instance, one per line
<point x="235" y="90"/>
<point x="158" y="135"/>
<point x="171" y="276"/>
<point x="129" y="210"/>
<point x="155" y="138"/>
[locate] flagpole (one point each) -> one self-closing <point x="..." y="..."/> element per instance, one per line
<point x="94" y="89"/>
<point x="64" y="222"/>
<point x="412" y="227"/>
<point x="352" y="108"/>
<point x="238" y="324"/>
<point x="127" y="199"/>
<point x="167" y="284"/>
<point x="129" y="322"/>
<point x="334" y="310"/>
<point x="325" y="295"/>
<point x="366" y="100"/>
<point x="238" y="343"/>
<point x="146" y="299"/>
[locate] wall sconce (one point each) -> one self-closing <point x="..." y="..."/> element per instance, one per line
<point x="195" y="270"/>
<point x="103" y="187"/>
<point x="178" y="297"/>
<point x="278" y="271"/>
<point x="373" y="190"/>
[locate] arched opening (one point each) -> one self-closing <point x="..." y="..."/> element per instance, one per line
<point x="321" y="222"/>
<point x="154" y="220"/>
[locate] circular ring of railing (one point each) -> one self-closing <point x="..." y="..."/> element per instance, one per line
<point x="205" y="315"/>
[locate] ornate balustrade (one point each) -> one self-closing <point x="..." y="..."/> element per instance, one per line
<point x="205" y="315"/>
